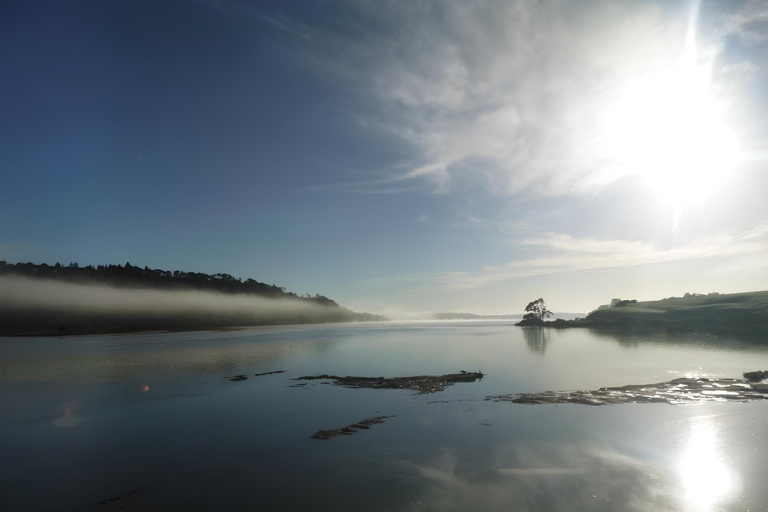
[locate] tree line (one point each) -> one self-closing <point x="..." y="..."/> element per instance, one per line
<point x="132" y="276"/>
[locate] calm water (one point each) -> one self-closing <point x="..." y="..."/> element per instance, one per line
<point x="87" y="419"/>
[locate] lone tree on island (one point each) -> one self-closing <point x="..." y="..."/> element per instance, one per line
<point x="535" y="312"/>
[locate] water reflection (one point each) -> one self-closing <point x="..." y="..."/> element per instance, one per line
<point x="707" y="481"/>
<point x="544" y="476"/>
<point x="537" y="339"/>
<point x="160" y="405"/>
<point x="120" y="357"/>
<point x="684" y="340"/>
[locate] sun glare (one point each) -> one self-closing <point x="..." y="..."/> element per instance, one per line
<point x="669" y="130"/>
<point x="706" y="480"/>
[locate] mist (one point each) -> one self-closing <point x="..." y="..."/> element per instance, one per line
<point x="433" y="316"/>
<point x="37" y="306"/>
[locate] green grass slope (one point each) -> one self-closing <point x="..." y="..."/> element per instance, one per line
<point x="734" y="313"/>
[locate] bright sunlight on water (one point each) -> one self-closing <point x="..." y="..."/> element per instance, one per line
<point x="707" y="479"/>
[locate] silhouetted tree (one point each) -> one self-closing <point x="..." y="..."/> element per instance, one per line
<point x="536" y="311"/>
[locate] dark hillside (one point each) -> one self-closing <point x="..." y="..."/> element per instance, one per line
<point x="131" y="276"/>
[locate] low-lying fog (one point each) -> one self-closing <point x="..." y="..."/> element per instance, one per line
<point x="44" y="307"/>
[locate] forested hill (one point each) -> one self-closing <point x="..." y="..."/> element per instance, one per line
<point x="54" y="299"/>
<point x="131" y="276"/>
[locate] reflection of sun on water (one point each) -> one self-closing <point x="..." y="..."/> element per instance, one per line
<point x="706" y="480"/>
<point x="669" y="130"/>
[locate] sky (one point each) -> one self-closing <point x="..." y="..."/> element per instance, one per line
<point x="397" y="156"/>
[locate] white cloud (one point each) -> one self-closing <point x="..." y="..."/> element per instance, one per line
<point x="751" y="22"/>
<point x="563" y="253"/>
<point x="509" y="95"/>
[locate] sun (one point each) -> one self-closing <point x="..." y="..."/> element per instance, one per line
<point x="670" y="131"/>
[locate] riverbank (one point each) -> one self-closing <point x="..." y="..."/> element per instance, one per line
<point x="744" y="314"/>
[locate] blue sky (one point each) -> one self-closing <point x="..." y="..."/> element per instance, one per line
<point x="396" y="156"/>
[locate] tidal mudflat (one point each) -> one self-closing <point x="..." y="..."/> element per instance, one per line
<point x="154" y="422"/>
<point x="677" y="391"/>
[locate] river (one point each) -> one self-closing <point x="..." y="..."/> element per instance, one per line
<point x="152" y="422"/>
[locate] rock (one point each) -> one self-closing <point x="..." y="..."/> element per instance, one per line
<point x="269" y="373"/>
<point x="349" y="429"/>
<point x="243" y="377"/>
<point x="756" y="376"/>
<point x="422" y="383"/>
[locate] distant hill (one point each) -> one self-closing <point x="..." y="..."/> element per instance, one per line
<point x="519" y="316"/>
<point x="471" y="316"/>
<point x="732" y="313"/>
<point x="56" y="299"/>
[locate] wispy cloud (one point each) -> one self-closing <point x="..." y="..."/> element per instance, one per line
<point x="374" y="188"/>
<point x="509" y="95"/>
<point x="278" y="21"/>
<point x="751" y="22"/>
<point x="287" y="25"/>
<point x="563" y="253"/>
<point x="501" y="225"/>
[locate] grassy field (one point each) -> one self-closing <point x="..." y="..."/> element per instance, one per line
<point x="734" y="313"/>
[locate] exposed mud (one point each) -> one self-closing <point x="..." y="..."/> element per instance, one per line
<point x="244" y="377"/>
<point x="349" y="429"/>
<point x="268" y="373"/>
<point x="422" y="383"/>
<point x="453" y="401"/>
<point x="677" y="391"/>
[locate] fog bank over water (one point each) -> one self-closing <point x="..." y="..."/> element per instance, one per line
<point x="427" y="316"/>
<point x="46" y="306"/>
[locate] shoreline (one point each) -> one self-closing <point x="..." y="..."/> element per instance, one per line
<point x="190" y="330"/>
